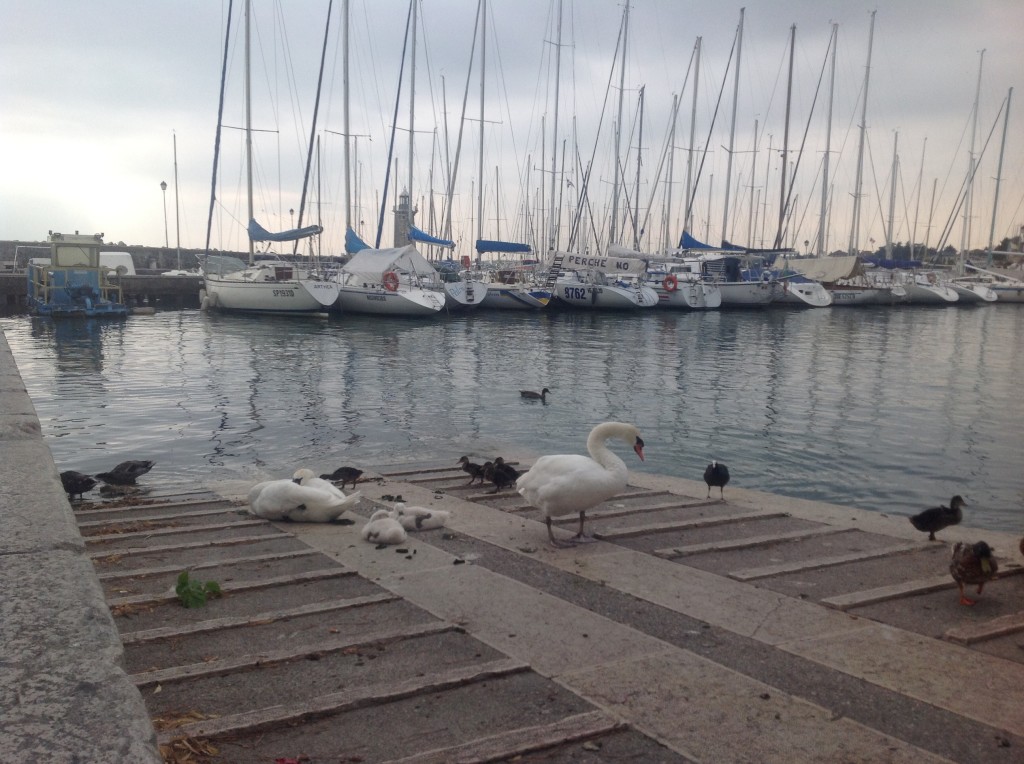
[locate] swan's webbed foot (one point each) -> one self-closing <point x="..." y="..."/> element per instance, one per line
<point x="582" y="538"/>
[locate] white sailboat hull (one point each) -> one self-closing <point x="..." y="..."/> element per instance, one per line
<point x="850" y="295"/>
<point x="689" y="295"/>
<point x="515" y="297"/>
<point x="467" y="294"/>
<point x="972" y="294"/>
<point x="375" y="300"/>
<point x="578" y="294"/>
<point x="241" y="293"/>
<point x="747" y="294"/>
<point x="929" y="294"/>
<point x="806" y="294"/>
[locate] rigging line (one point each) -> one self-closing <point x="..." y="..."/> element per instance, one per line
<point x="714" y="118"/>
<point x="970" y="179"/>
<point x="216" y="140"/>
<point x="394" y="124"/>
<point x="312" y="129"/>
<point x="783" y="232"/>
<point x="574" y="229"/>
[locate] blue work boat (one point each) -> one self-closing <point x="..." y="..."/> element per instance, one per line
<point x="72" y="282"/>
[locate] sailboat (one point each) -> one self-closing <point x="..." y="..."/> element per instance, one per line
<point x="267" y="284"/>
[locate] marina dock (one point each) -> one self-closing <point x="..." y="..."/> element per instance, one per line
<point x="760" y="628"/>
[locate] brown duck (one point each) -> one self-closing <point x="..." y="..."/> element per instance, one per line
<point x="972" y="564"/>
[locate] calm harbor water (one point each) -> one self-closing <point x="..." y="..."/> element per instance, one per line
<point x="888" y="409"/>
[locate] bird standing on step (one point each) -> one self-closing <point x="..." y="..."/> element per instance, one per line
<point x="565" y="483"/>
<point x="937" y="518"/>
<point x="475" y="471"/>
<point x="716" y="475"/>
<point x="343" y="475"/>
<point x="76" y="483"/>
<point x="972" y="564"/>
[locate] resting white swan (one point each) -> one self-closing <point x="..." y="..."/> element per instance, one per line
<point x="308" y="478"/>
<point x="564" y="483"/>
<point x="419" y="518"/>
<point x="382" y="528"/>
<point x="287" y="500"/>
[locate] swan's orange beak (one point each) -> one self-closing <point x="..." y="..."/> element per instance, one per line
<point x="639" y="447"/>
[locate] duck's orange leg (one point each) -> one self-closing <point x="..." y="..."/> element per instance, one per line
<point x="964" y="599"/>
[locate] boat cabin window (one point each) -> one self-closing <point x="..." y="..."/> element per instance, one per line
<point x="283" y="273"/>
<point x="73" y="256"/>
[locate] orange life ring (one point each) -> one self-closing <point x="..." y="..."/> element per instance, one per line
<point x="671" y="283"/>
<point x="391" y="281"/>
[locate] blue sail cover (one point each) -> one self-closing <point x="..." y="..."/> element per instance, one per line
<point x="353" y="243"/>
<point x="417" y="235"/>
<point x="486" y="245"/>
<point x="688" y="242"/>
<point x="880" y="262"/>
<point x="259" y="233"/>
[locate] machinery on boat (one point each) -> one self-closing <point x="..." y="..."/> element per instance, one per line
<point x="73" y="282"/>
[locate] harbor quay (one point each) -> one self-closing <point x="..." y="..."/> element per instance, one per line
<point x="746" y="628"/>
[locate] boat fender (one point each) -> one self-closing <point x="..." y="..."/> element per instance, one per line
<point x="671" y="283"/>
<point x="391" y="281"/>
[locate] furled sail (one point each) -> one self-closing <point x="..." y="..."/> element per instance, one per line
<point x="259" y="233"/>
<point x="487" y="245"/>
<point x="353" y="243"/>
<point x="417" y="235"/>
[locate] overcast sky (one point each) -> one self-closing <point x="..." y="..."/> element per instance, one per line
<point x="95" y="94"/>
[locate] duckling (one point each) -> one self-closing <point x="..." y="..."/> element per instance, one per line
<point x="716" y="475"/>
<point x="76" y="483"/>
<point x="504" y="474"/>
<point x="419" y="518"/>
<point x="382" y="528"/>
<point x="972" y="564"/>
<point x="475" y="471"/>
<point x="343" y="475"/>
<point x="497" y="475"/>
<point x="541" y="396"/>
<point x="935" y="519"/>
<point x="126" y="473"/>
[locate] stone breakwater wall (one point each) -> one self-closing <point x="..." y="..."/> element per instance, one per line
<point x="64" y="694"/>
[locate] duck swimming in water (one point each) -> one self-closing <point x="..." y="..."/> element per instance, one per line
<point x="541" y="396"/>
<point x="935" y="519"/>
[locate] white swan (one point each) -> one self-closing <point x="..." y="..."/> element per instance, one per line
<point x="287" y="500"/>
<point x="382" y="528"/>
<point x="419" y="518"/>
<point x="564" y="483"/>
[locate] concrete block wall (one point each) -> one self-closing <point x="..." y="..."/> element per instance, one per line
<point x="64" y="693"/>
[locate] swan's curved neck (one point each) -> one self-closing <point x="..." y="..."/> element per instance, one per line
<point x="598" y="447"/>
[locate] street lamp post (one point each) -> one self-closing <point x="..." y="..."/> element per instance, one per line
<point x="163" y="187"/>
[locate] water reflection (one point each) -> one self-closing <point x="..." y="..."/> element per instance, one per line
<point x="887" y="409"/>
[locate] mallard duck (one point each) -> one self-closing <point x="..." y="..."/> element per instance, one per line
<point x="475" y="471"/>
<point x="972" y="564"/>
<point x="716" y="475"/>
<point x="76" y="483"/>
<point x="935" y="519"/>
<point x="502" y="475"/>
<point x="343" y="475"/>
<point x="564" y="483"/>
<point x="542" y="395"/>
<point x="126" y="473"/>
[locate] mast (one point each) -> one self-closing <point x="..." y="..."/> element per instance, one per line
<point x="917" y="208"/>
<point x="688" y="221"/>
<point x="854" y="243"/>
<point x="822" y="226"/>
<point x="753" y="186"/>
<point x="553" y="228"/>
<point x="732" y="129"/>
<point x="412" y="112"/>
<point x="480" y="169"/>
<point x="345" y="117"/>
<point x="785" y="138"/>
<point x="248" y="125"/>
<point x="892" y="195"/>
<point x="999" y="174"/>
<point x="618" y="126"/>
<point x="636" y="195"/>
<point x="969" y="196"/>
<point x="671" y="175"/>
<point x="177" y="220"/>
